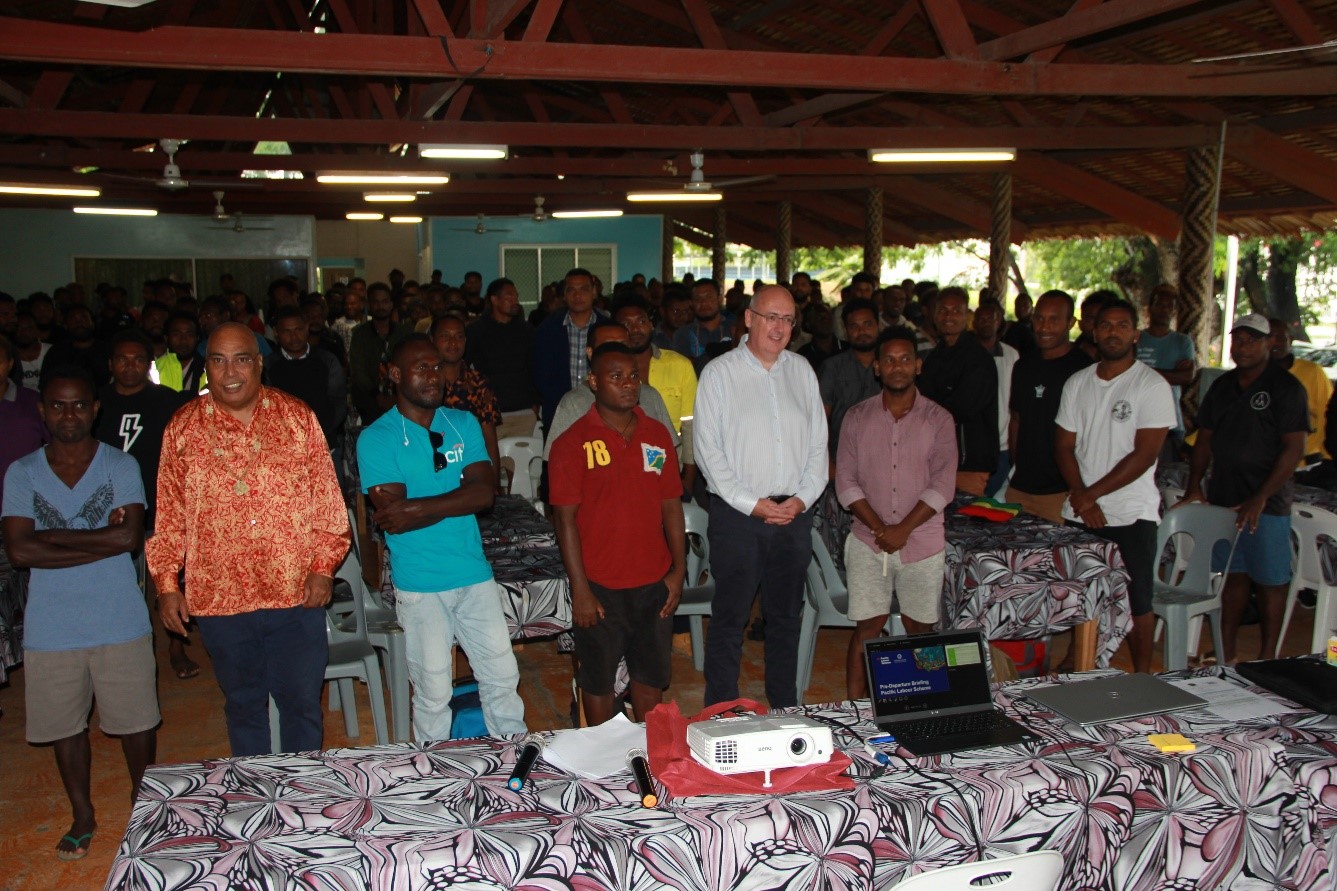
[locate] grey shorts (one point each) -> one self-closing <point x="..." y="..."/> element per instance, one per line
<point x="62" y="684"/>
<point x="871" y="582"/>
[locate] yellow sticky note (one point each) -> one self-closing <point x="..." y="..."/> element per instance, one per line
<point x="1171" y="742"/>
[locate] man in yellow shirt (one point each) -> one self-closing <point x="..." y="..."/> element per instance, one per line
<point x="672" y="374"/>
<point x="1317" y="387"/>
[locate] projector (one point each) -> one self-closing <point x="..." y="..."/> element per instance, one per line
<point x="759" y="743"/>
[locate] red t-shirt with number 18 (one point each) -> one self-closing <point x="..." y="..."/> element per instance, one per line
<point x="619" y="487"/>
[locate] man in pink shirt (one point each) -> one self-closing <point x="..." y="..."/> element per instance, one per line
<point x="895" y="471"/>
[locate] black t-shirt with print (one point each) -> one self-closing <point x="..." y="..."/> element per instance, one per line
<point x="1037" y="387"/>
<point x="135" y="424"/>
<point x="1247" y="427"/>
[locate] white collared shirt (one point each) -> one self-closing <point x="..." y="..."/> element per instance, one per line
<point x="760" y="432"/>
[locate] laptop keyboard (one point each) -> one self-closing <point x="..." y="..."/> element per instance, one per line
<point x="949" y="725"/>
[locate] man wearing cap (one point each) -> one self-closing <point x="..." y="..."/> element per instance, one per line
<point x="1252" y="426"/>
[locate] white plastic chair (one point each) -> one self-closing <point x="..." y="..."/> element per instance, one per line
<point x="1170" y="496"/>
<point x="526" y="452"/>
<point x="352" y="657"/>
<point x="1190" y="588"/>
<point x="1310" y="525"/>
<point x="1036" y="871"/>
<point x="699" y="589"/>
<point x="827" y="602"/>
<point x="385" y="634"/>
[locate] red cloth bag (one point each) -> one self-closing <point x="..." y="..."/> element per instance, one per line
<point x="672" y="763"/>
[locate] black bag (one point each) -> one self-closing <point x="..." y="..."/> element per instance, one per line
<point x="1310" y="682"/>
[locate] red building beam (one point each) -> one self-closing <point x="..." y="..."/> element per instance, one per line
<point x="374" y="54"/>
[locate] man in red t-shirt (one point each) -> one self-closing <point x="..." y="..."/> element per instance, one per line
<point x="617" y="497"/>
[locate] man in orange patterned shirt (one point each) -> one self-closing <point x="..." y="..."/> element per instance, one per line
<point x="249" y="504"/>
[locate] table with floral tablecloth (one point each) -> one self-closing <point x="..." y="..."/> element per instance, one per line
<point x="1253" y="807"/>
<point x="1023" y="578"/>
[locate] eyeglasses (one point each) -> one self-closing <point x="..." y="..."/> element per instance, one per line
<point x="775" y="318"/>
<point x="439" y="461"/>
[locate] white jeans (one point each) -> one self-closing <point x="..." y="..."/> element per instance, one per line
<point x="472" y="617"/>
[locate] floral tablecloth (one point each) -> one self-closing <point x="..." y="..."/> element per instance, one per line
<point x="1254" y="807"/>
<point x="1024" y="578"/>
<point x="521" y="545"/>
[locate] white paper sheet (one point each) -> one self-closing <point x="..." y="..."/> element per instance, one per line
<point x="595" y="752"/>
<point x="1230" y="701"/>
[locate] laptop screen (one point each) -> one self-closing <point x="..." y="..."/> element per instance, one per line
<point x="941" y="670"/>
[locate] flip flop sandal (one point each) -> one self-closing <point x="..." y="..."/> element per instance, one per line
<point x="185" y="669"/>
<point x="80" y="843"/>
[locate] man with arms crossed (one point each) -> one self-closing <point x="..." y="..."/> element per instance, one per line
<point x="249" y="504"/>
<point x="1037" y="385"/>
<point x="74" y="512"/>
<point x="617" y="498"/>
<point x="1112" y="421"/>
<point x="895" y="471"/>
<point x="760" y="439"/>
<point x="1252" y="427"/>
<point x="428" y="472"/>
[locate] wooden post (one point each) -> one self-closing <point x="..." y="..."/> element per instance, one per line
<point x="1000" y="235"/>
<point x="1197" y="236"/>
<point x="784" y="238"/>
<point x="718" y="255"/>
<point x="872" y="231"/>
<point x="666" y="249"/>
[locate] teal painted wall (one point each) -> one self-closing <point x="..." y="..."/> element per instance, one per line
<point x="457" y="252"/>
<point x="39" y="246"/>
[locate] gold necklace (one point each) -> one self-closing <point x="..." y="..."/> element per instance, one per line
<point x="240" y="487"/>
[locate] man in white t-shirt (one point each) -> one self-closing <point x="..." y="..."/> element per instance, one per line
<point x="1112" y="421"/>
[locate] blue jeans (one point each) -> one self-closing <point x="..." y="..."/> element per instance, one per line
<point x="270" y="652"/>
<point x="472" y="617"/>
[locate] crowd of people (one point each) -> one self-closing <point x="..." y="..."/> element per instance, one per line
<point x="224" y="443"/>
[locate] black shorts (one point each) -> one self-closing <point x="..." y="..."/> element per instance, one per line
<point x="632" y="629"/>
<point x="1137" y="546"/>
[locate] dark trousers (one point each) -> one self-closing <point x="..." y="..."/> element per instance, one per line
<point x="270" y="652"/>
<point x="746" y="553"/>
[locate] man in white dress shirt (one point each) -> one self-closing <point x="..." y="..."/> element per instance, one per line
<point x="760" y="439"/>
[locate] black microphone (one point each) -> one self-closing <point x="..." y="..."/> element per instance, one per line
<point x="645" y="784"/>
<point x="531" y="748"/>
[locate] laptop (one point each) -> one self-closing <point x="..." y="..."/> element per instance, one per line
<point x="1115" y="698"/>
<point x="931" y="691"/>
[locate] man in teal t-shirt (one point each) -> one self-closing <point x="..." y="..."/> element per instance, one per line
<point x="428" y="473"/>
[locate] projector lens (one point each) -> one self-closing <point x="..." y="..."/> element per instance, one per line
<point x="798" y="746"/>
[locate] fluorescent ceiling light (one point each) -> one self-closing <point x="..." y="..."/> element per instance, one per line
<point x="938" y="156"/>
<point x="584" y="214"/>
<point x="356" y="215"/>
<point x="34" y="189"/>
<point x="389" y="196"/>
<point x="466" y="152"/>
<point x="119" y="211"/>
<point x="125" y="4"/>
<point x="674" y="196"/>
<point x="406" y="219"/>
<point x="383" y="179"/>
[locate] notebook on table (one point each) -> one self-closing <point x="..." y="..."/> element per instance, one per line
<point x="931" y="691"/>
<point x="1115" y="698"/>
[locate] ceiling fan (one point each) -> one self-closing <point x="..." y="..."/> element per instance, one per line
<point x="697" y="182"/>
<point x="171" y="178"/>
<point x="481" y="228"/>
<point x="539" y="215"/>
<point x="231" y="221"/>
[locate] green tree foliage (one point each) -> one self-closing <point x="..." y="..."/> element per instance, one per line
<point x="1080" y="265"/>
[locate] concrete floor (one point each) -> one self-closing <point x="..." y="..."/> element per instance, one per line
<point x="34" y="812"/>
